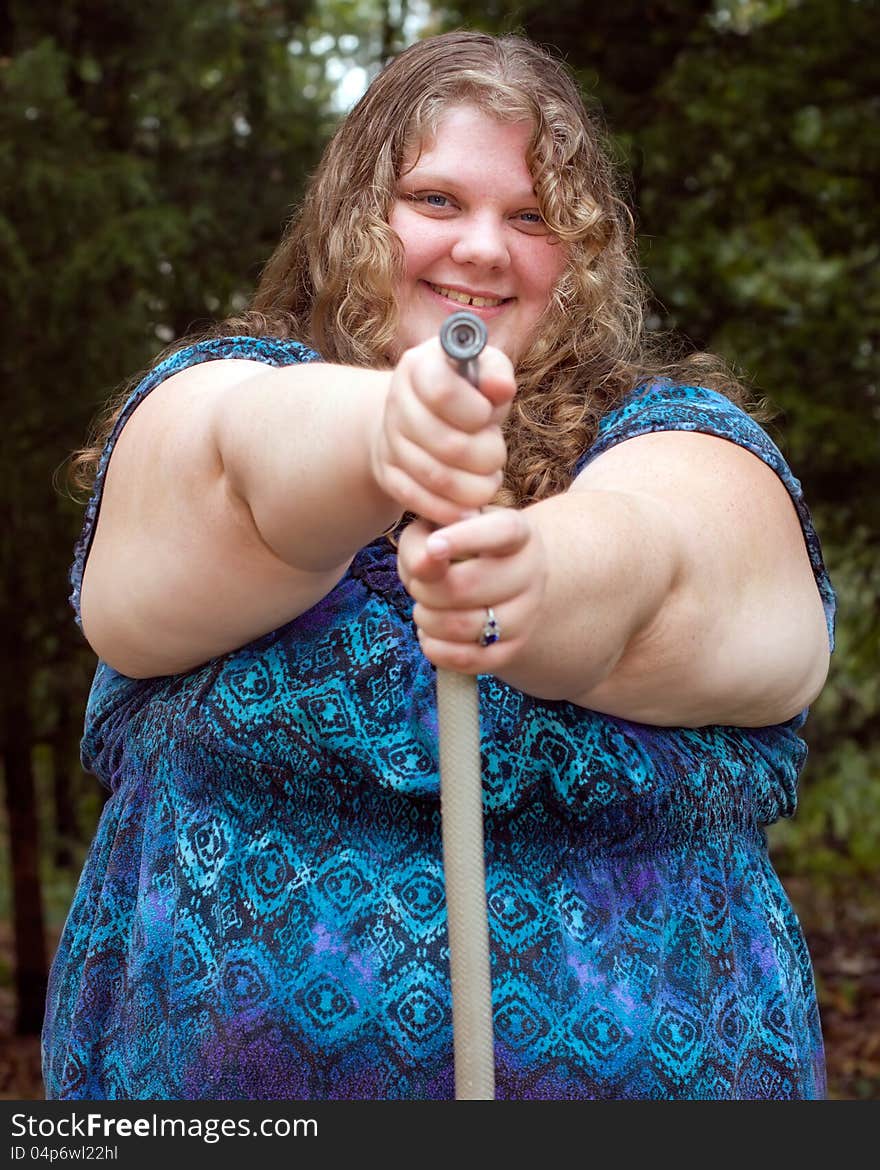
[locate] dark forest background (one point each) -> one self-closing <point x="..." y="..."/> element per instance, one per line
<point x="149" y="157"/>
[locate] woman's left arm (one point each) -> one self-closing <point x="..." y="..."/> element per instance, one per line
<point x="669" y="585"/>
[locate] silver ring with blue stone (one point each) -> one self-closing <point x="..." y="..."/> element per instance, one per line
<point x="491" y="630"/>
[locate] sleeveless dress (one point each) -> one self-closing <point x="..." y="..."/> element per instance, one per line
<point x="261" y="914"/>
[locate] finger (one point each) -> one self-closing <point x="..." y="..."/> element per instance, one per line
<point x="497" y="532"/>
<point x="450" y="625"/>
<point x="469" y="626"/>
<point x="465" y="657"/>
<point x="495" y="376"/>
<point x="412" y="496"/>
<point x="480" y="452"/>
<point x="471" y="584"/>
<point x="413" y="558"/>
<point x="464" y="489"/>
<point x="449" y="395"/>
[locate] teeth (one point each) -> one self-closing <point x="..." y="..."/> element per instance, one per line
<point x="464" y="299"/>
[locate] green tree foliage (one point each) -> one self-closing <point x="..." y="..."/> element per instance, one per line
<point x="756" y="193"/>
<point x="749" y="129"/>
<point x="146" y="166"/>
<point x="148" y="162"/>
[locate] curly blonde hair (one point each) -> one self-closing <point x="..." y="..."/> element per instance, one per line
<point x="331" y="281"/>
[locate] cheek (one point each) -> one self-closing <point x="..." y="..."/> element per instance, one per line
<point x="397" y="223"/>
<point x="546" y="268"/>
<point x="417" y="239"/>
<point x="539" y="262"/>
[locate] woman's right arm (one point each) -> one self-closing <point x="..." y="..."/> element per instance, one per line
<point x="237" y="495"/>
<point x="234" y="500"/>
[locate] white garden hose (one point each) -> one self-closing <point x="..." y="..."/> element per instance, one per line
<point x="461" y="804"/>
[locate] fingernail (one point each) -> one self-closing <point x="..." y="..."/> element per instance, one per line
<point x="437" y="545"/>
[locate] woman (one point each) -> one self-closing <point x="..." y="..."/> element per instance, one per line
<point x="309" y="512"/>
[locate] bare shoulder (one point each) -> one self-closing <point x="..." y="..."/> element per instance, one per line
<point x="711" y="482"/>
<point x="742" y="638"/>
<point x="177" y="571"/>
<point x="182" y="397"/>
<point x="684" y="459"/>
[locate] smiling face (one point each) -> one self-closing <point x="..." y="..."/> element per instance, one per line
<point x="472" y="234"/>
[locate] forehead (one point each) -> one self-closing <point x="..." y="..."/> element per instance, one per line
<point x="464" y="137"/>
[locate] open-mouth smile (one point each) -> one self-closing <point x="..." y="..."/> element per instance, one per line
<point x="462" y="298"/>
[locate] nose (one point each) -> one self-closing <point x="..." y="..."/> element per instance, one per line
<point x="481" y="242"/>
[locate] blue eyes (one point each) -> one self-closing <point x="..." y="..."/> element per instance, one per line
<point x="438" y="202"/>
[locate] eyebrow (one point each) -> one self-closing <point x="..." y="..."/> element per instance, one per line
<point x="441" y="181"/>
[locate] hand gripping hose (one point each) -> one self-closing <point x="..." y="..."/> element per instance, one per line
<point x="463" y="336"/>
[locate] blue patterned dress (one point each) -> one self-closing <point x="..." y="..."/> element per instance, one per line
<point x="261" y="914"/>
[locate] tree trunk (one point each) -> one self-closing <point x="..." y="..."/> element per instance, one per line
<point x="29" y="936"/>
<point x="62" y="749"/>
